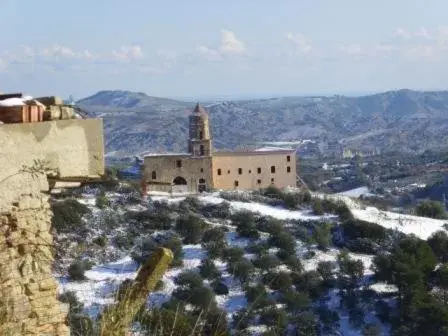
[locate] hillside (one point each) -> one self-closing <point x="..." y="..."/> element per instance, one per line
<point x="405" y="120"/>
<point x="260" y="266"/>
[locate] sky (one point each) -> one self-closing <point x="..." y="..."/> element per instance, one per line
<point x="199" y="49"/>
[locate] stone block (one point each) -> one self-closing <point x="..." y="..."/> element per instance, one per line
<point x="48" y="284"/>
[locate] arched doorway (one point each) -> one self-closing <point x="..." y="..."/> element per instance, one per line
<point x="202" y="186"/>
<point x="179" y="185"/>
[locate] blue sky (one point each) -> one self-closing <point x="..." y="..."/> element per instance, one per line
<point x="235" y="48"/>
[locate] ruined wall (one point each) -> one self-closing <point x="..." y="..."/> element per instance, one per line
<point x="68" y="149"/>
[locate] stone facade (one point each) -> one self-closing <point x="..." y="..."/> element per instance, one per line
<point x="30" y="153"/>
<point x="204" y="169"/>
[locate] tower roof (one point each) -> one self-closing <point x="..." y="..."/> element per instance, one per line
<point x="199" y="109"/>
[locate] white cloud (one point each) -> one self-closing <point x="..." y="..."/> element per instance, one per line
<point x="59" y="51"/>
<point x="209" y="54"/>
<point x="128" y="53"/>
<point x="402" y="33"/>
<point x="301" y="42"/>
<point x="230" y="44"/>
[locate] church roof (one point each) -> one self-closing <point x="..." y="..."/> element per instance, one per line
<point x="199" y="109"/>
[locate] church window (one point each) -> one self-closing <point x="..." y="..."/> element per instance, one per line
<point x="202" y="170"/>
<point x="288" y="169"/>
<point x="259" y="170"/>
<point x="154" y="175"/>
<point x="236" y="183"/>
<point x="259" y="181"/>
<point x="179" y="163"/>
<point x="201" y="135"/>
<point x="288" y="158"/>
<point x="201" y="150"/>
<point x="240" y="171"/>
<point x="272" y="169"/>
<point x="250" y="171"/>
<point x="219" y="171"/>
<point x="272" y="180"/>
<point x="228" y="172"/>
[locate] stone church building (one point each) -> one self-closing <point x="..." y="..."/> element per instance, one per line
<point x="203" y="169"/>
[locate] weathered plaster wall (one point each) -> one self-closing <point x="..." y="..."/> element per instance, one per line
<point x="249" y="179"/>
<point x="71" y="149"/>
<point x="192" y="170"/>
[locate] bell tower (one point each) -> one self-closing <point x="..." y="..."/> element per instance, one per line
<point x="199" y="143"/>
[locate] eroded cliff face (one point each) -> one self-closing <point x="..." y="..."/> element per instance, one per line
<point x="28" y="291"/>
<point x="29" y="153"/>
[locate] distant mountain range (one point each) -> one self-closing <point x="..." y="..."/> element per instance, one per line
<point x="404" y="120"/>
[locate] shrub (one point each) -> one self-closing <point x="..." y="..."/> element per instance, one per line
<point x="79" y="323"/>
<point x="276" y="318"/>
<point x="76" y="271"/>
<point x="215" y="323"/>
<point x="67" y="215"/>
<point x="241" y="270"/>
<point x="102" y="201"/>
<point x="220" y="288"/>
<point x="294" y="263"/>
<point x="371" y="330"/>
<point x="170" y="241"/>
<point x="256" y="295"/>
<point x="283" y="240"/>
<point x="326" y="269"/>
<point x="188" y="279"/>
<point x="270" y="225"/>
<point x="278" y="281"/>
<point x="295" y="301"/>
<point x="258" y="249"/>
<point x="100" y="241"/>
<point x="355" y="228"/>
<point x="190" y="228"/>
<point x="322" y="235"/>
<point x="208" y="270"/>
<point x="317" y="206"/>
<point x="362" y="245"/>
<point x="247" y="229"/>
<point x="266" y="262"/>
<point x="233" y="254"/>
<point x="220" y="210"/>
<point x="353" y="269"/>
<point x="308" y="282"/>
<point x="329" y="319"/>
<point x="438" y="242"/>
<point x="306" y="324"/>
<point x="431" y="209"/>
<point x="167" y="321"/>
<point x="291" y="200"/>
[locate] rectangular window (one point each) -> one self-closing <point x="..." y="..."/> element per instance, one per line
<point x="240" y="171"/>
<point x="202" y="170"/>
<point x="288" y="169"/>
<point x="259" y="170"/>
<point x="288" y="158"/>
<point x="228" y="172"/>
<point x="179" y="163"/>
<point x="272" y="180"/>
<point x="258" y="181"/>
<point x="219" y="171"/>
<point x="272" y="169"/>
<point x="236" y="183"/>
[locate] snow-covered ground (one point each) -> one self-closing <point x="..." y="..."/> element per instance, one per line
<point x="103" y="280"/>
<point x="356" y="193"/>
<point x="420" y="226"/>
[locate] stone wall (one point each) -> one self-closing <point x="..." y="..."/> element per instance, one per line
<point x="66" y="149"/>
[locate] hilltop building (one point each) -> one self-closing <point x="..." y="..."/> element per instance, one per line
<point x="202" y="168"/>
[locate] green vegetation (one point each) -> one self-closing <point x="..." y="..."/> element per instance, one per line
<point x="431" y="209"/>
